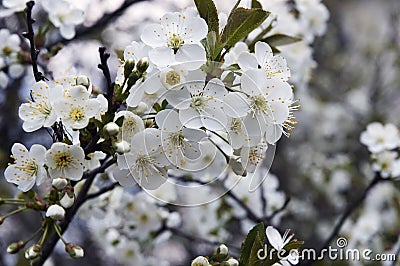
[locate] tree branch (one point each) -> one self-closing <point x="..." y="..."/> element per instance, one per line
<point x="102" y="191"/>
<point x="106" y="72"/>
<point x="84" y="32"/>
<point x="69" y="215"/>
<point x="30" y="35"/>
<point x="268" y="218"/>
<point x="196" y="239"/>
<point x="346" y="214"/>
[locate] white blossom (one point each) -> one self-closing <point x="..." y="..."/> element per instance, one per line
<point x="131" y="125"/>
<point x="380" y="137"/>
<point x="67" y="201"/>
<point x="65" y="161"/>
<point x="146" y="164"/>
<point x="386" y="163"/>
<point x="176" y="39"/>
<point x="275" y="66"/>
<point x="63" y="16"/>
<point x="28" y="167"/>
<point x="39" y="112"/>
<point x="76" y="108"/>
<point x="200" y="261"/>
<point x="200" y="104"/>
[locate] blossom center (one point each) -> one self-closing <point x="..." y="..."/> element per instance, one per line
<point x="129" y="123"/>
<point x="63" y="159"/>
<point x="30" y="168"/>
<point x="144" y="161"/>
<point x="76" y="114"/>
<point x="198" y="103"/>
<point x="44" y="109"/>
<point x="7" y="50"/>
<point x="236" y="126"/>
<point x="173" y="78"/>
<point x="255" y="157"/>
<point x="176" y="138"/>
<point x="259" y="103"/>
<point x="175" y="41"/>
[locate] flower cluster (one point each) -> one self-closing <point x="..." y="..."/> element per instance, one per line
<point x="383" y="142"/>
<point x="247" y="105"/>
<point x="62" y="14"/>
<point x="9" y="57"/>
<point x="190" y="102"/>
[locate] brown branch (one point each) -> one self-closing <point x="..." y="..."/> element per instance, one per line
<point x="102" y="191"/>
<point x="30" y="35"/>
<point x="346" y="214"/>
<point x="69" y="215"/>
<point x="104" y="56"/>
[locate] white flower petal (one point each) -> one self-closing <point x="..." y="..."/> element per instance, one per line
<point x="247" y="61"/>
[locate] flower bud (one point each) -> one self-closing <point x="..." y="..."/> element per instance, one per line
<point x="128" y="68"/>
<point x="141" y="108"/>
<point x="200" y="261"/>
<point x="111" y="128"/>
<point x="232" y="262"/>
<point x="59" y="183"/>
<point x="74" y="251"/>
<point x="55" y="212"/>
<point x="122" y="147"/>
<point x="174" y="220"/>
<point x="15" y="247"/>
<point x="222" y="250"/>
<point x="33" y="252"/>
<point x="133" y="77"/>
<point x="142" y="65"/>
<point x="83" y="80"/>
<point x="67" y="200"/>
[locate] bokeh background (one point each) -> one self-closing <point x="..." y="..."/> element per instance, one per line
<point x="345" y="78"/>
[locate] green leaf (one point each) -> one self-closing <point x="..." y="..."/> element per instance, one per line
<point x="255" y="4"/>
<point x="280" y="39"/>
<point x="209" y="13"/>
<point x="164" y="104"/>
<point x="157" y="107"/>
<point x="294" y="245"/>
<point x="241" y="22"/>
<point x="275" y="50"/>
<point x="254" y="241"/>
<point x="212" y="45"/>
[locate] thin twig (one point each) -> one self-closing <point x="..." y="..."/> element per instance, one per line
<point x="99" y="25"/>
<point x="346" y="214"/>
<point x="250" y="214"/>
<point x="102" y="191"/>
<point x="276" y="212"/>
<point x="196" y="239"/>
<point x="106" y="72"/>
<point x="30" y="35"/>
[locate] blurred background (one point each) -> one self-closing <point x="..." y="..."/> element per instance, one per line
<point x="346" y="73"/>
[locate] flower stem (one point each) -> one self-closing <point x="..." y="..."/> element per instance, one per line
<point x="58" y="231"/>
<point x="14" y="212"/>
<point x="43" y="237"/>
